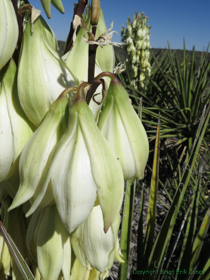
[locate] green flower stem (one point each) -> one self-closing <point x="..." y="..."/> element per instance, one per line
<point x="108" y="74"/>
<point x="68" y="90"/>
<point x="80" y="92"/>
<point x="92" y="90"/>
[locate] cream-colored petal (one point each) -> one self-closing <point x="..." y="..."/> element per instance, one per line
<point x="114" y="131"/>
<point x="66" y="267"/>
<point x="97" y="244"/>
<point x="36" y="156"/>
<point x="8" y="31"/>
<point x="49" y="244"/>
<point x="73" y="185"/>
<point x="41" y="76"/>
<point x="6" y="138"/>
<point x="106" y="170"/>
<point x="135" y="131"/>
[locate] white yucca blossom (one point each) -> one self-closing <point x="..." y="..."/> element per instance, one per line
<point x="129" y="41"/>
<point x="8" y="31"/>
<point x="52" y="77"/>
<point x="15" y="131"/>
<point x="48" y="241"/>
<point x="136" y="38"/>
<point x="91" y="245"/>
<point x="82" y="158"/>
<point x="117" y="122"/>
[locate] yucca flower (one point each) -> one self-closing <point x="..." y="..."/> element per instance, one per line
<point x="46" y="4"/>
<point x="42" y="75"/>
<point x="15" y="127"/>
<point x="36" y="156"/>
<point x="8" y="31"/>
<point x="48" y="242"/>
<point x="85" y="171"/>
<point x="124" y="131"/>
<point x="92" y="246"/>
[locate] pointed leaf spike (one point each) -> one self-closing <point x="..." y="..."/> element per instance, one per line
<point x="21" y="264"/>
<point x="153" y="197"/>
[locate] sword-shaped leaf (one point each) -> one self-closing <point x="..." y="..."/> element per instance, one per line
<point x="21" y="264"/>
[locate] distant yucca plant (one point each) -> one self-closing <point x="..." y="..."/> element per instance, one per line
<point x="136" y="38"/>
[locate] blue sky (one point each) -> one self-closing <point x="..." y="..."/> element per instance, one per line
<point x="171" y="20"/>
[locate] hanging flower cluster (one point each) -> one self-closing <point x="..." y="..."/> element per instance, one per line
<point x="136" y="37"/>
<point x="69" y="140"/>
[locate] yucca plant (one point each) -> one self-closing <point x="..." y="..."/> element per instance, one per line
<point x="179" y="90"/>
<point x="154" y="254"/>
<point x="136" y="39"/>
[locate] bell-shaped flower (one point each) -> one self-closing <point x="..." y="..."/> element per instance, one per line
<point x="14" y="127"/>
<point x="37" y="153"/>
<point x="79" y="272"/>
<point x="48" y="241"/>
<point x="140" y="33"/>
<point x="129" y="30"/>
<point x="8" y="31"/>
<point x="6" y="137"/>
<point x="77" y="60"/>
<point x="47" y="6"/>
<point x="105" y="55"/>
<point x="82" y="168"/>
<point x="139" y="44"/>
<point x="91" y="245"/>
<point x="124" y="131"/>
<point x="42" y="75"/>
<point x="129" y="41"/>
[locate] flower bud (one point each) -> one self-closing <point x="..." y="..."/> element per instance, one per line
<point x="47" y="6"/>
<point x="147" y="37"/>
<point x="129" y="30"/>
<point x="36" y="156"/>
<point x="144" y="45"/>
<point x="105" y="55"/>
<point x="90" y="243"/>
<point x="129" y="41"/>
<point x="148" y="46"/>
<point x="15" y="130"/>
<point x="41" y="76"/>
<point x="142" y="77"/>
<point x="144" y="33"/>
<point x="140" y="33"/>
<point x="48" y="242"/>
<point x="134" y="23"/>
<point x="124" y="132"/>
<point x="143" y="64"/>
<point x="139" y="44"/>
<point x="146" y="54"/>
<point x="95" y="11"/>
<point x="8" y="31"/>
<point x="77" y="60"/>
<point x="135" y="70"/>
<point x="134" y="59"/>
